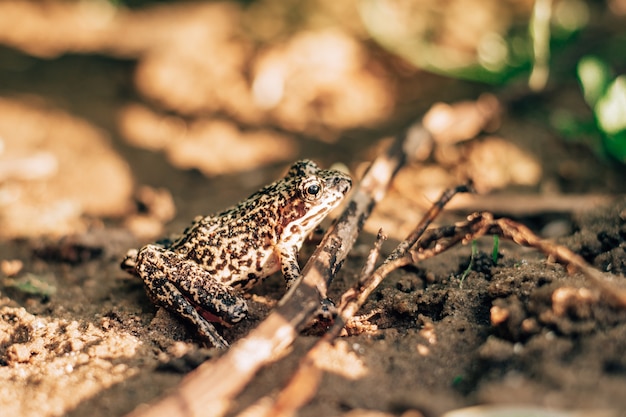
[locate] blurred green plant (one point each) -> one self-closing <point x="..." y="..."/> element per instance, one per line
<point x="607" y="98"/>
<point x="605" y="94"/>
<point x="499" y="41"/>
<point x="491" y="41"/>
<point x="31" y="284"/>
<point x="495" y="249"/>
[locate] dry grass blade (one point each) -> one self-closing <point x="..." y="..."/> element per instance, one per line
<point x="209" y="390"/>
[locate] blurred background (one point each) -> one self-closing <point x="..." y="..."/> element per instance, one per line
<point x="122" y="120"/>
<point x="131" y="110"/>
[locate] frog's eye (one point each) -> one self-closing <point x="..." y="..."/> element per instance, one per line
<point x="311" y="189"/>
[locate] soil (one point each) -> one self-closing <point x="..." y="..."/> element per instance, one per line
<point x="78" y="336"/>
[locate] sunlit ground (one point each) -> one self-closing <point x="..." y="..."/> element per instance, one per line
<point x="228" y="88"/>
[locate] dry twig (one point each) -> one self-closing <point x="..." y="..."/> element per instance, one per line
<point x="304" y="383"/>
<point x="209" y="390"/>
<point x="420" y="245"/>
<point x="438" y="240"/>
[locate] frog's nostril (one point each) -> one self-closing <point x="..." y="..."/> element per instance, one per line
<point x="342" y="184"/>
<point x="345" y="186"/>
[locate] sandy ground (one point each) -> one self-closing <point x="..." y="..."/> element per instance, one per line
<point x="100" y="156"/>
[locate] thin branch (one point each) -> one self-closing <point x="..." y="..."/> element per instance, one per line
<point x="304" y="383"/>
<point x="355" y="297"/>
<point x="209" y="390"/>
<point x="522" y="204"/>
<point x="477" y="225"/>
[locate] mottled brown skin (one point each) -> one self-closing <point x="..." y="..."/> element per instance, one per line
<point x="200" y="275"/>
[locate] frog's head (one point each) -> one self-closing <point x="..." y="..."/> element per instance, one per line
<point x="313" y="193"/>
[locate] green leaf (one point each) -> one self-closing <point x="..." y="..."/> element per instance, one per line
<point x="610" y="109"/>
<point x="494" y="251"/>
<point x="594" y="76"/>
<point x="616" y="146"/>
<point x="32" y="284"/>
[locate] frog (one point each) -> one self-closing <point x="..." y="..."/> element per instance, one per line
<point x="202" y="274"/>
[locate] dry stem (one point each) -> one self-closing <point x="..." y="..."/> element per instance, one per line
<point x="209" y="390"/>
<point x="479" y="224"/>
<point x="304" y="383"/>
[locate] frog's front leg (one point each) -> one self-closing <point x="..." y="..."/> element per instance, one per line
<point x="187" y="290"/>
<point x="289" y="264"/>
<point x="291" y="272"/>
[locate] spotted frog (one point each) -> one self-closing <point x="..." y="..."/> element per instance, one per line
<point x="200" y="275"/>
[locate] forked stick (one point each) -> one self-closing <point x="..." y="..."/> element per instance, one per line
<point x="421" y="244"/>
<point x="304" y="383"/>
<point x="209" y="390"/>
<point x="480" y="224"/>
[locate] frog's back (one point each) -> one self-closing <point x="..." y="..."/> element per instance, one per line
<point x="241" y="245"/>
<point x="237" y="242"/>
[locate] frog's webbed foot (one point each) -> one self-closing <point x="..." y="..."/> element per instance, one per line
<point x="129" y="263"/>
<point x="187" y="290"/>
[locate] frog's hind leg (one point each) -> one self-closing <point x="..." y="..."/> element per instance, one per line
<point x="183" y="287"/>
<point x="180" y="306"/>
